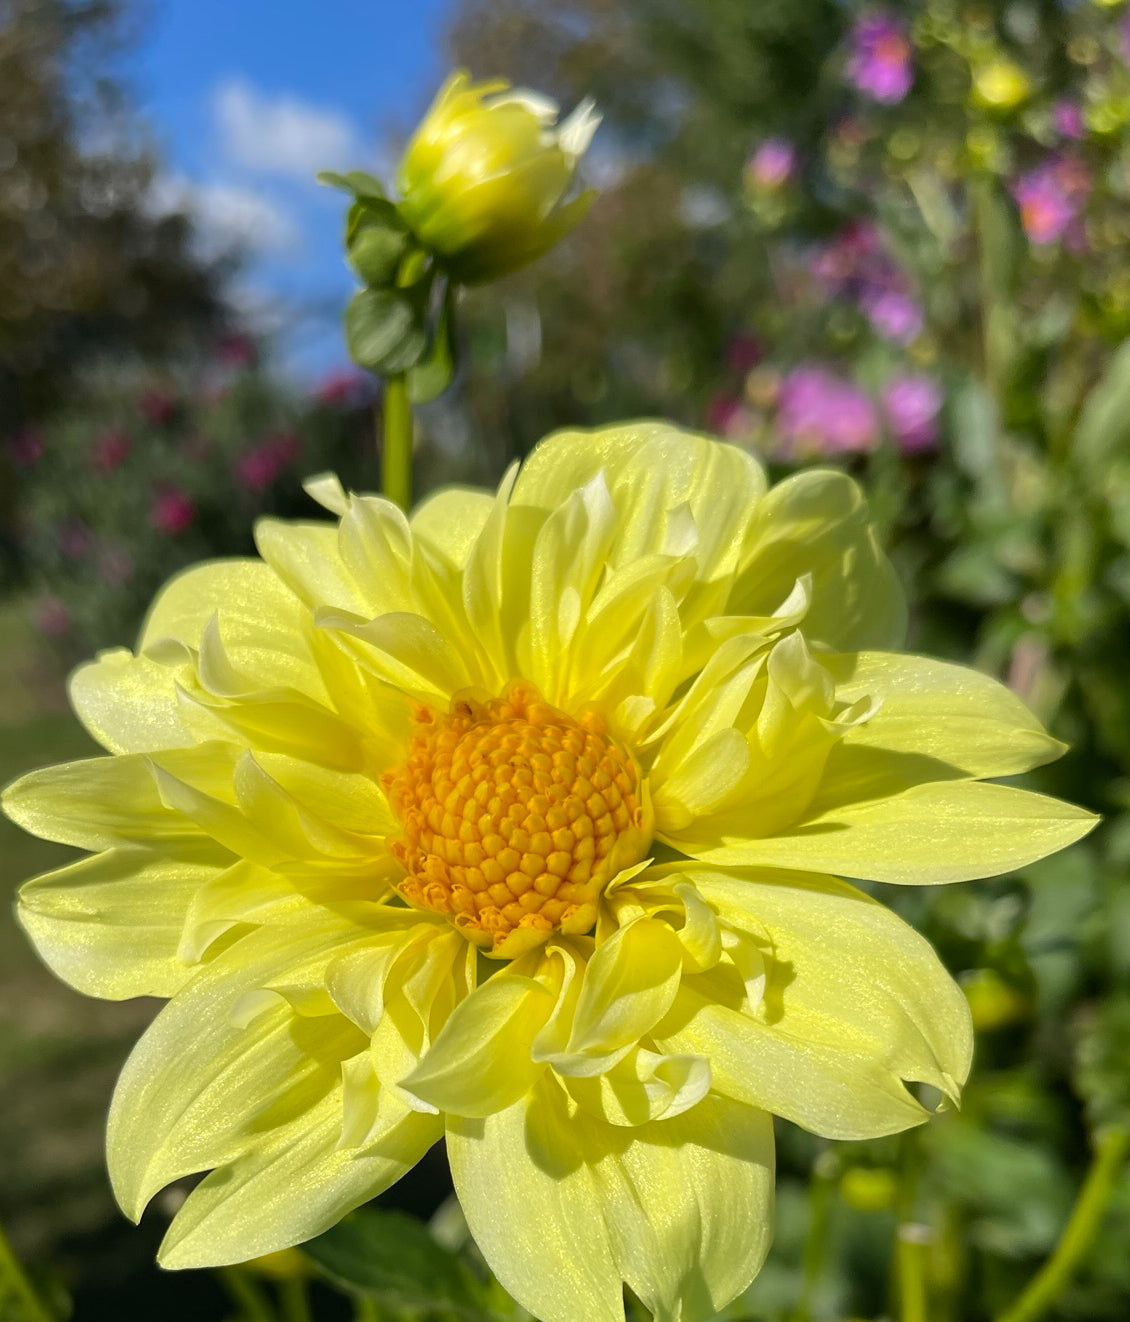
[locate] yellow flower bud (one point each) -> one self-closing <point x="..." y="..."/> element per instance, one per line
<point x="1000" y="85"/>
<point x="483" y="181"/>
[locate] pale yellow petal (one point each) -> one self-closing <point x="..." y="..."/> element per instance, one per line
<point x="926" y="709"/>
<point x="205" y="1081"/>
<point x="680" y="1209"/>
<point x="294" y="1184"/>
<point x="449" y="521"/>
<point x="942" y="832"/>
<point x="111" y="925"/>
<point x="818" y="523"/>
<point x="855" y="1002"/>
<point x="644" y="1086"/>
<point x="128" y="703"/>
<point x="481" y="1063"/>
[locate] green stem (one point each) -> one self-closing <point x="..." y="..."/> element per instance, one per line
<point x="913" y="1241"/>
<point x="366" y="1311"/>
<point x="1111" y="1149"/>
<point x="825" y="1169"/>
<point x="294" y="1300"/>
<point x="13" y="1275"/>
<point x="396" y="465"/>
<point x="252" y="1301"/>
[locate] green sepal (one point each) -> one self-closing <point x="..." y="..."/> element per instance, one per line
<point x="376" y="252"/>
<point x="392" y="1259"/>
<point x="385" y="329"/>
<point x="357" y="182"/>
<point x="432" y="374"/>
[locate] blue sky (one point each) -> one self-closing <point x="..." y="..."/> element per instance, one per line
<point x="247" y="98"/>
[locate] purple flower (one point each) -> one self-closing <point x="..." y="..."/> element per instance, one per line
<point x="1051" y="197"/>
<point x="912" y="404"/>
<point x="894" y="315"/>
<point x="880" y="62"/>
<point x="1067" y="120"/>
<point x="821" y="412"/>
<point x="772" y="165"/>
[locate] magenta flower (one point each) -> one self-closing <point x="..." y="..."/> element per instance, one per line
<point x="880" y="61"/>
<point x="726" y="416"/>
<point x="259" y="467"/>
<point x="912" y="404"/>
<point x="344" y="388"/>
<point x="772" y="165"/>
<point x="1051" y="198"/>
<point x="1067" y="120"/>
<point x="820" y="412"/>
<point x="894" y="315"/>
<point x="110" y="451"/>
<point x="172" y="511"/>
<point x="237" y="351"/>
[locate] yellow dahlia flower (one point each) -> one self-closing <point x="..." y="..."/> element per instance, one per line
<point x="516" y="821"/>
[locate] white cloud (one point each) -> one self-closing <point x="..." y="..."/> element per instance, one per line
<point x="228" y="215"/>
<point x="282" y="134"/>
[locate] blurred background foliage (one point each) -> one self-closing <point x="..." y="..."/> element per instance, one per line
<point x="890" y="239"/>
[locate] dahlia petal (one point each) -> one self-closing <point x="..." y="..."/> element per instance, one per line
<point x="294" y="1184"/>
<point x="644" y="1086"/>
<point x="941" y="832"/>
<point x="818" y="523"/>
<point x="306" y="557"/>
<point x="110" y="925"/>
<point x="934" y="709"/>
<point x="658" y="476"/>
<point x="855" y="1003"/>
<point x="628" y="985"/>
<point x="449" y="522"/>
<point x="97" y="803"/>
<point x="481" y="1063"/>
<point x="205" y="1081"/>
<point x="129" y="703"/>
<point x="680" y="1209"/>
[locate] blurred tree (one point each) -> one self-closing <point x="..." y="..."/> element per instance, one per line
<point x="84" y="264"/>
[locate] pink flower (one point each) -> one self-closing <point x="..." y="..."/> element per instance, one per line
<point x="912" y="404"/>
<point x="880" y="62"/>
<point x="725" y="415"/>
<point x="821" y="412"/>
<point x="743" y="353"/>
<point x="172" y="511"/>
<point x="1051" y="198"/>
<point x="1067" y="120"/>
<point x="110" y="451"/>
<point x="772" y="165"/>
<point x="259" y="467"/>
<point x="896" y="316"/>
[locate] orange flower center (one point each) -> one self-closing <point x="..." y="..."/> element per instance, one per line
<point x="515" y="818"/>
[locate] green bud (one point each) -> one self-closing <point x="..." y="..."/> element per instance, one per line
<point x="483" y="182"/>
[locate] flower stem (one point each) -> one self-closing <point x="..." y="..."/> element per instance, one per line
<point x="13" y="1276"/>
<point x="294" y="1300"/>
<point x="825" y="1169"/>
<point x="913" y="1242"/>
<point x="252" y="1301"/>
<point x="396" y="465"/>
<point x="1111" y="1149"/>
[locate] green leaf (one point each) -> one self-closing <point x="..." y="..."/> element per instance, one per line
<point x="385" y="331"/>
<point x="1104" y="425"/>
<point x="372" y="213"/>
<point x="376" y="251"/>
<point x="432" y="375"/>
<point x="357" y="182"/>
<point x="392" y="1259"/>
